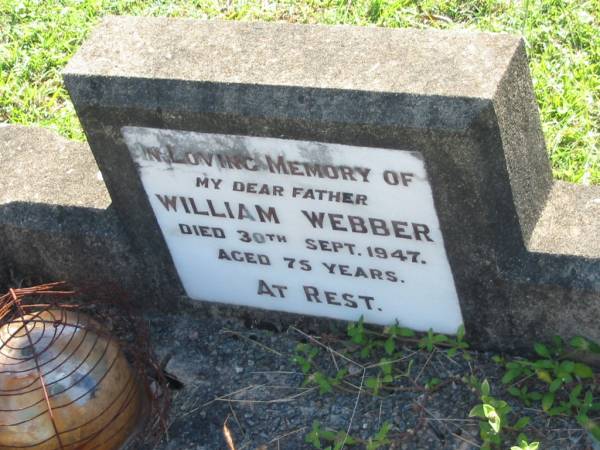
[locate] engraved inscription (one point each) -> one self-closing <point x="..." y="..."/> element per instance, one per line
<point x="306" y="227"/>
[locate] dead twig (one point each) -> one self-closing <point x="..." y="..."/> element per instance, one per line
<point x="362" y="380"/>
<point x="246" y="338"/>
<point x="425" y="365"/>
<point x="284" y="435"/>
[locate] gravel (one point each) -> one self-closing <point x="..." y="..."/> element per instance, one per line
<point x="244" y="378"/>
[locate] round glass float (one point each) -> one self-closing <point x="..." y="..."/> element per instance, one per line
<point x="65" y="384"/>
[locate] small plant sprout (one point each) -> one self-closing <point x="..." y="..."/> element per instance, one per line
<point x="431" y="340"/>
<point x="304" y="356"/>
<point x="522" y="444"/>
<point x="336" y="439"/>
<point x="380" y="440"/>
<point x="494" y="418"/>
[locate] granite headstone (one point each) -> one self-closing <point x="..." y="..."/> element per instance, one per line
<point x="341" y="172"/>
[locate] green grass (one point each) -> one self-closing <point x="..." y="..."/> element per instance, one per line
<point x="37" y="38"/>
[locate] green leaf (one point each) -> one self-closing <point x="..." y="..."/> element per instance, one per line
<point x="389" y="346"/>
<point x="313" y="436"/>
<point x="558" y="342"/>
<point x="583" y="370"/>
<point x="489" y="410"/>
<point x="526" y="446"/>
<point x="513" y="365"/>
<point x="328" y="435"/>
<point x="366" y="350"/>
<point x="547" y="401"/>
<point x="356" y="331"/>
<point x="485" y="387"/>
<point x="535" y="395"/>
<point x="544" y="364"/>
<point x="583" y="420"/>
<point x="555" y="385"/>
<point x="383" y="431"/>
<point x="542" y="350"/>
<point x="594" y="348"/>
<point x="588" y="399"/>
<point x="349" y="439"/>
<point x="514" y="391"/>
<point x="567" y="366"/>
<point x="510" y="375"/>
<point x="493" y="418"/>
<point x="477" y="411"/>
<point x="439" y="338"/>
<point x="460" y="333"/>
<point x="523" y="445"/>
<point x="590" y="425"/>
<point x="325" y="385"/>
<point x="302" y="362"/>
<point x="557" y="410"/>
<point x="406" y="332"/>
<point x="499" y="404"/>
<point x="374" y="384"/>
<point x="432" y="383"/>
<point x="575" y="392"/>
<point x="567" y="379"/>
<point x="341" y="374"/>
<point x="580" y="343"/>
<point x="522" y="423"/>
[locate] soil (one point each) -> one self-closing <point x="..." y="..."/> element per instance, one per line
<point x="244" y="379"/>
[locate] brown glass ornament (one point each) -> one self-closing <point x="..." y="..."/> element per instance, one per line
<point x="65" y="384"/>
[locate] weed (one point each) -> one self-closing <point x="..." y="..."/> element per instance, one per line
<point x="336" y="438"/>
<point x="557" y="382"/>
<point x="304" y="356"/>
<point x="339" y="439"/>
<point x="522" y="444"/>
<point x="494" y="415"/>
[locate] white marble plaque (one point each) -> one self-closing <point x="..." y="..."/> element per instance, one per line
<point x="306" y="227"/>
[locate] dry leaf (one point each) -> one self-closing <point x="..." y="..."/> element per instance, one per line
<point x="228" y="436"/>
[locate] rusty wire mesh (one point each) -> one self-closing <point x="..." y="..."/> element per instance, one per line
<point x="76" y="375"/>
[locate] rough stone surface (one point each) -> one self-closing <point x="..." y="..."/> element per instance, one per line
<point x="464" y="100"/>
<point x="569" y="222"/>
<point x="55" y="217"/>
<point x="42" y="167"/>
<point x="311" y="56"/>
